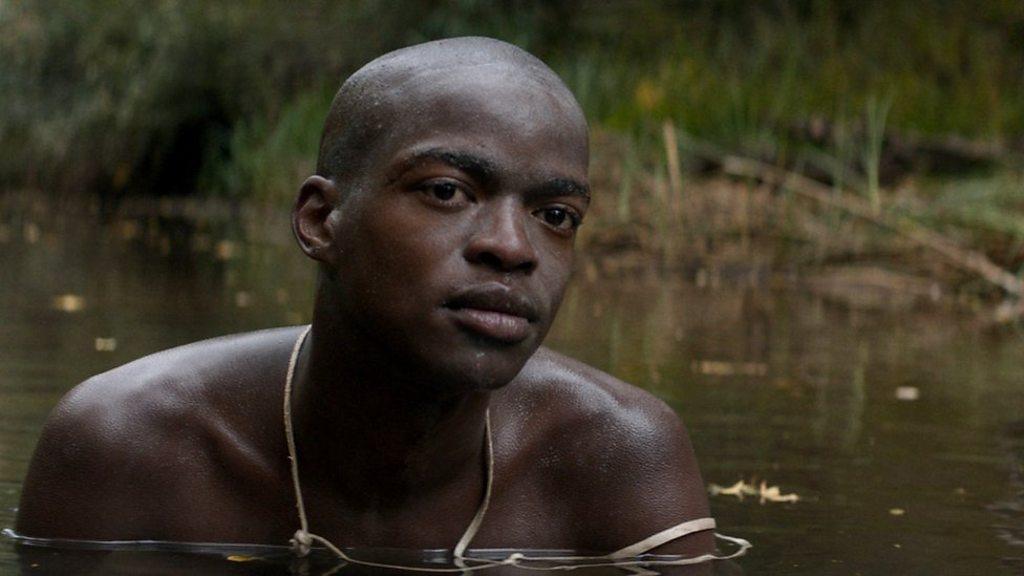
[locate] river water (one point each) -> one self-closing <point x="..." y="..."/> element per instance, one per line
<point x="900" y="436"/>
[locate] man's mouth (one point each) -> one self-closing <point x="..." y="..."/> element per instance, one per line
<point x="493" y="311"/>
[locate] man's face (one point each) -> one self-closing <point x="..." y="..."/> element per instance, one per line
<point x="455" y="246"/>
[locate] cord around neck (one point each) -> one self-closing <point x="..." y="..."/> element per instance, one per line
<point x="302" y="541"/>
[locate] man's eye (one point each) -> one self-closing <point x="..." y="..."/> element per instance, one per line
<point x="443" y="190"/>
<point x="559" y="218"/>
<point x="444" y="193"/>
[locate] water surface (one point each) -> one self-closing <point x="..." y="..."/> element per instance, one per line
<point x="901" y="435"/>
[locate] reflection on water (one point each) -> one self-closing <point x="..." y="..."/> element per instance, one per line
<point x="774" y="386"/>
<point x="41" y="557"/>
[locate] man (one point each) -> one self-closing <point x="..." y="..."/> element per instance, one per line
<point x="451" y="180"/>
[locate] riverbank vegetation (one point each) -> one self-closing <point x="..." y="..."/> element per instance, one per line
<point x="846" y="142"/>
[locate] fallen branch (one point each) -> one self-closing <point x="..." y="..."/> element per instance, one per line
<point x="963" y="258"/>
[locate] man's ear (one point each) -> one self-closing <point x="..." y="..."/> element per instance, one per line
<point x="311" y="218"/>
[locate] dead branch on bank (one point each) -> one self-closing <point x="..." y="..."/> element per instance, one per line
<point x="960" y="257"/>
<point x="963" y="258"/>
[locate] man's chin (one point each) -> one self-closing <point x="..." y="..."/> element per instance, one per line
<point x="478" y="372"/>
<point x="457" y="361"/>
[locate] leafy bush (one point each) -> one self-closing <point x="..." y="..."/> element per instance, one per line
<point x="110" y="98"/>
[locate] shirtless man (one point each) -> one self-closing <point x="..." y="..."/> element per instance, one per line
<point x="451" y="179"/>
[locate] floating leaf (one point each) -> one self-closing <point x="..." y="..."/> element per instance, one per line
<point x="773" y="494"/>
<point x="31" y="233"/>
<point x="69" y="303"/>
<point x="243" y="299"/>
<point x="739" y="490"/>
<point x="241" y="558"/>
<point x="225" y="250"/>
<point x="719" y="368"/>
<point x="106" y="344"/>
<point x="907" y="393"/>
<point x="763" y="491"/>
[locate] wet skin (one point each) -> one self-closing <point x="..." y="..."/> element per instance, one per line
<point x="442" y="263"/>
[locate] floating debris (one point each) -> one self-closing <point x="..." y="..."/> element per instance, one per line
<point x="739" y="490"/>
<point x="241" y="558"/>
<point x="897" y="511"/>
<point x="773" y="494"/>
<point x="69" y="303"/>
<point x="129" y="229"/>
<point x="720" y="368"/>
<point x="281" y="296"/>
<point x="244" y="299"/>
<point x="31" y="232"/>
<point x="907" y="393"/>
<point x="763" y="491"/>
<point x="225" y="250"/>
<point x="106" y="344"/>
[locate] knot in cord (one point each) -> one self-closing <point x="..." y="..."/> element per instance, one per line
<point x="301" y="543"/>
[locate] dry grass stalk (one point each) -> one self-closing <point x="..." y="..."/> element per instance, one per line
<point x="675" y="172"/>
<point x="963" y="258"/>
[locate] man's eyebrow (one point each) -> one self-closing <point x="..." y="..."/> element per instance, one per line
<point x="480" y="168"/>
<point x="487" y="172"/>
<point x="561" y="187"/>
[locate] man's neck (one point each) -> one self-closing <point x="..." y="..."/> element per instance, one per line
<point x="370" y="428"/>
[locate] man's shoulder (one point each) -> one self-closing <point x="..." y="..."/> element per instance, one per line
<point x="592" y="402"/>
<point x="176" y="379"/>
<point x="125" y="432"/>
<point x="616" y="455"/>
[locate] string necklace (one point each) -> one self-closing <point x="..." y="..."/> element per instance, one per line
<point x="303" y="540"/>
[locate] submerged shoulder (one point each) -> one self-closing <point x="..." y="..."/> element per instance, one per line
<point x="617" y="453"/>
<point x="120" y="435"/>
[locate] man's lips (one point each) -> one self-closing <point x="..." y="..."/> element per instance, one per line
<point x="494" y="311"/>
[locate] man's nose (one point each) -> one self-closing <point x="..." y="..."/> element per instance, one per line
<point x="501" y="240"/>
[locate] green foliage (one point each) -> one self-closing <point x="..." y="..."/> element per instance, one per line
<point x="110" y="97"/>
<point x="744" y="75"/>
<point x="268" y="160"/>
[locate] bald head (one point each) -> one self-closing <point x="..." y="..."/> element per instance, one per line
<point x="377" y="104"/>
